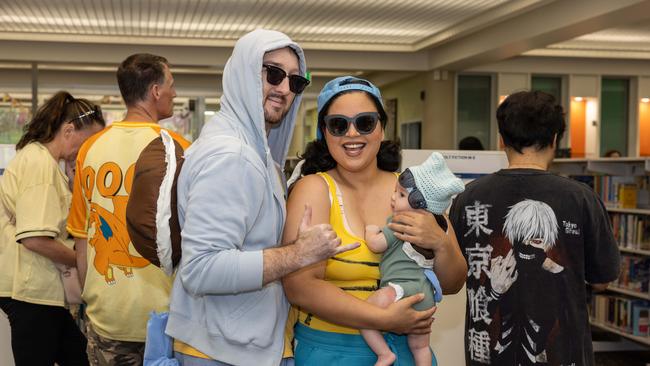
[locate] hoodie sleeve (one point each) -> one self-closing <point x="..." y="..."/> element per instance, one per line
<point x="223" y="202"/>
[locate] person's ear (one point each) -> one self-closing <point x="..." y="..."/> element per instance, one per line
<point x="155" y="91"/>
<point x="555" y="142"/>
<point x="67" y="129"/>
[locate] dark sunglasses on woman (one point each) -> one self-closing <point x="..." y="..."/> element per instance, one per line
<point x="275" y="75"/>
<point x="338" y="125"/>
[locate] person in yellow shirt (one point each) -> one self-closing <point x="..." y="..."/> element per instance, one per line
<point x="120" y="288"/>
<point x="35" y="198"/>
<point x="349" y="175"/>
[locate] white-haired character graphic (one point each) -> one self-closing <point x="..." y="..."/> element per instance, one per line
<point x="532" y="229"/>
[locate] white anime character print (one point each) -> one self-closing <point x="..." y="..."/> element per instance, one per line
<point x="503" y="274"/>
<point x="532" y="229"/>
<point x="532" y="225"/>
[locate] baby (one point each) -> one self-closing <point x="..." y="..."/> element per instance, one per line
<point x="406" y="270"/>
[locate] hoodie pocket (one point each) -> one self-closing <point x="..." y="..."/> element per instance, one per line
<point x="248" y="318"/>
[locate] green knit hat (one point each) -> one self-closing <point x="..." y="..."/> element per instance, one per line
<point x="436" y="183"/>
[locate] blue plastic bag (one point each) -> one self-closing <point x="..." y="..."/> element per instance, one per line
<point x="158" y="349"/>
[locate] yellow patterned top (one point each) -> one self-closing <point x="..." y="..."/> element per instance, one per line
<point x="355" y="271"/>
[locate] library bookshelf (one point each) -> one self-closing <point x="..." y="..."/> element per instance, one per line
<point x="641" y="339"/>
<point x="631" y="293"/>
<point x="623" y="185"/>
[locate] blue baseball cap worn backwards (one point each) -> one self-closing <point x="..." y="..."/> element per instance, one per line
<point x="341" y="84"/>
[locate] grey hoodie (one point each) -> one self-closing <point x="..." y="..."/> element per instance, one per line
<point x="231" y="205"/>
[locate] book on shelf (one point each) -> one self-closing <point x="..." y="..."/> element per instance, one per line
<point x="624" y="313"/>
<point x="635" y="274"/>
<point x="627" y="195"/>
<point x="631" y="230"/>
<point x="640" y="320"/>
<point x="619" y="191"/>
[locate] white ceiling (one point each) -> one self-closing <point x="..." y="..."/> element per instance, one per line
<point x="626" y="41"/>
<point x="339" y="35"/>
<point x="361" y="21"/>
<point x="638" y="33"/>
<point x="404" y="25"/>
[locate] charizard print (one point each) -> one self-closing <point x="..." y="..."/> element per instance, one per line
<point x="111" y="241"/>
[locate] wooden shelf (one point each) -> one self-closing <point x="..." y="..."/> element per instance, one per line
<point x="634" y="251"/>
<point x="637" y="211"/>
<point x="609" y="166"/>
<point x="640" y="339"/>
<point x="567" y="166"/>
<point x="619" y="160"/>
<point x="639" y="295"/>
<point x="570" y="160"/>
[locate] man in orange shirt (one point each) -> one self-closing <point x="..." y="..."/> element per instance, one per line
<point x="115" y="276"/>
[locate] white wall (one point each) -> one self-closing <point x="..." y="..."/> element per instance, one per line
<point x="448" y="330"/>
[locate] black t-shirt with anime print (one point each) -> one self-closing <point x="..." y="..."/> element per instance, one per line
<point x="531" y="240"/>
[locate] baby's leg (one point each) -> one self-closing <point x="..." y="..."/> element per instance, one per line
<point x="385" y="357"/>
<point x="419" y="345"/>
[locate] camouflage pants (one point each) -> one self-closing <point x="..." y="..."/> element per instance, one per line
<point x="107" y="352"/>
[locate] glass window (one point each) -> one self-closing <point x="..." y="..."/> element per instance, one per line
<point x="15" y="112"/>
<point x="474" y="107"/>
<point x="410" y="133"/>
<point x="548" y="84"/>
<point x="310" y="126"/>
<point x="614" y="102"/>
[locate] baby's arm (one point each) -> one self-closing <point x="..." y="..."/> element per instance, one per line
<point x="375" y="239"/>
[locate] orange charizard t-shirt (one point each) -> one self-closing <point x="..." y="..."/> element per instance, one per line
<point x="121" y="287"/>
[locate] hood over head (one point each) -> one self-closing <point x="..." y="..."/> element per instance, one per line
<point x="241" y="102"/>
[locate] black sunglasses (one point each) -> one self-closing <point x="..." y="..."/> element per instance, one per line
<point x="338" y="125"/>
<point x="275" y="75"/>
<point x="415" y="198"/>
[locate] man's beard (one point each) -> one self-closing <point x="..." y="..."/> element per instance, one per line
<point x="274" y="119"/>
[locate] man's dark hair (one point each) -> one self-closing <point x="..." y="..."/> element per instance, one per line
<point x="530" y="118"/>
<point x="470" y="143"/>
<point x="136" y="74"/>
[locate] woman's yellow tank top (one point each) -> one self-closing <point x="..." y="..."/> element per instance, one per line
<point x="356" y="271"/>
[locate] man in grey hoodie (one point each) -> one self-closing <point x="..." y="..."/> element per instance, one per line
<point x="227" y="303"/>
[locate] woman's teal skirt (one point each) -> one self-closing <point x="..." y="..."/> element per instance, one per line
<point x="315" y="348"/>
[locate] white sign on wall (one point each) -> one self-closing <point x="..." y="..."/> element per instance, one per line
<point x="467" y="165"/>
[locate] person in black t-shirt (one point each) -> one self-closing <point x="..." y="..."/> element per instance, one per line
<point x="530" y="246"/>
